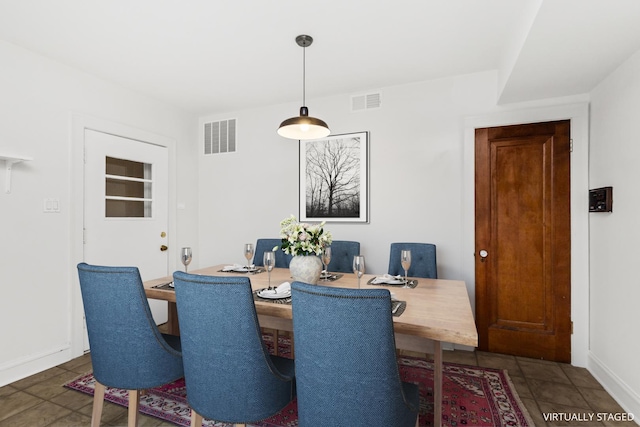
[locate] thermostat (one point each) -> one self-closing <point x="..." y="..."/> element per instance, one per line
<point x="601" y="199"/>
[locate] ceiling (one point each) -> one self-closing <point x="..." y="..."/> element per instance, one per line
<point x="215" y="56"/>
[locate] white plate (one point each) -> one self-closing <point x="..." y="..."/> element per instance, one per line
<point x="267" y="294"/>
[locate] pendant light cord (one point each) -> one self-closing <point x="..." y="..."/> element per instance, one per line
<point x="304" y="74"/>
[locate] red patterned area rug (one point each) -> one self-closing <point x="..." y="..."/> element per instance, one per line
<point x="472" y="396"/>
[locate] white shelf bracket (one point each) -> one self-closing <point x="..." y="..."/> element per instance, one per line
<point x="9" y="161"/>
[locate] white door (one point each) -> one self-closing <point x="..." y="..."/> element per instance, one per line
<point x="126" y="206"/>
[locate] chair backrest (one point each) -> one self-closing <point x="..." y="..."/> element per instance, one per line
<point x="127" y="349"/>
<point x="346" y="368"/>
<point x="423" y="260"/>
<point x="265" y="245"/>
<point x="342" y="253"/>
<point x="229" y="374"/>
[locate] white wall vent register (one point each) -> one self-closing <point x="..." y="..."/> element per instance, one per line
<point x="366" y="102"/>
<point x="220" y="137"/>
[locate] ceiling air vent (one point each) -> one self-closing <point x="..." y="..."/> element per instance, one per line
<point x="365" y="102"/>
<point x="220" y="137"/>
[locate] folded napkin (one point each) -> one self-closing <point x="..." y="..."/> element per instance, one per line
<point x="283" y="289"/>
<point x="387" y="278"/>
<point x="236" y="267"/>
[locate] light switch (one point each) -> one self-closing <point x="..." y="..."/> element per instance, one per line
<point x="51" y="206"/>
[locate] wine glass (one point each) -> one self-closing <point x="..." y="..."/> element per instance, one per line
<point x="185" y="257"/>
<point x="269" y="261"/>
<point x="326" y="259"/>
<point x="405" y="261"/>
<point x="248" y="253"/>
<point x="358" y="267"/>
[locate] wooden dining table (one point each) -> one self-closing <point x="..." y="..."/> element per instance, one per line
<point x="436" y="311"/>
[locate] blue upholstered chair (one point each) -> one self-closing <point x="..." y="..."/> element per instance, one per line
<point x="346" y="368"/>
<point x="342" y="253"/>
<point x="229" y="374"/>
<point x="423" y="260"/>
<point x="127" y="349"/>
<point x="264" y="245"/>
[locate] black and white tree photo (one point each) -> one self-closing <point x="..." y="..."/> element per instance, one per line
<point x="333" y="171"/>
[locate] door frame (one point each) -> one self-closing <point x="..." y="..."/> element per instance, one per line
<point x="79" y="123"/>
<point x="578" y="113"/>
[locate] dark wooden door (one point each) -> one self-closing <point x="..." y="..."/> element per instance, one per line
<point x="523" y="240"/>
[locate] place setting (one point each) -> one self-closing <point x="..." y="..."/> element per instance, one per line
<point x="325" y="275"/>
<point x="387" y="279"/>
<point x="186" y="255"/>
<point x="240" y="268"/>
<point x="398" y="280"/>
<point x="280" y="294"/>
<point x="397" y="306"/>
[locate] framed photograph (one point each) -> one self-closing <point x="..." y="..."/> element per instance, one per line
<point x="334" y="178"/>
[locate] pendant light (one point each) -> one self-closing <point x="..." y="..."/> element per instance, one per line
<point x="303" y="126"/>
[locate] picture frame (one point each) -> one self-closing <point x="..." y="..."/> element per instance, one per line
<point x="334" y="178"/>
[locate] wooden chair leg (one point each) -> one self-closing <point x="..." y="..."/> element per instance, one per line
<point x="98" y="402"/>
<point x="134" y="403"/>
<point x="196" y="419"/>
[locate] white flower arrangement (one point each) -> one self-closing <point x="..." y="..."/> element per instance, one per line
<point x="299" y="238"/>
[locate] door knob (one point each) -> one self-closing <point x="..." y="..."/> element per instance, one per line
<point x="163" y="248"/>
<point x="483" y="255"/>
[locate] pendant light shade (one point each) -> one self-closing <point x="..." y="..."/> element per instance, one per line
<point x="304" y="126"/>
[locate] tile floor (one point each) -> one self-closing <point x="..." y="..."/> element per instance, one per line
<point x="544" y="387"/>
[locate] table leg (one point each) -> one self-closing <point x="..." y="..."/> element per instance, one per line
<point x="437" y="383"/>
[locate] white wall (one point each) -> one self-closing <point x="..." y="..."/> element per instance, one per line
<point x="38" y="254"/>
<point x="421" y="178"/>
<point x="415" y="172"/>
<point x="614" y="237"/>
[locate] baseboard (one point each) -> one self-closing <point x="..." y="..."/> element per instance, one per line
<point x="21" y="368"/>
<point x="458" y="347"/>
<point x="628" y="398"/>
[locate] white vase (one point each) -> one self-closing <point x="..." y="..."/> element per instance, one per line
<point x="306" y="268"/>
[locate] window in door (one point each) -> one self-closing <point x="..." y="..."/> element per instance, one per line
<point x="128" y="187"/>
